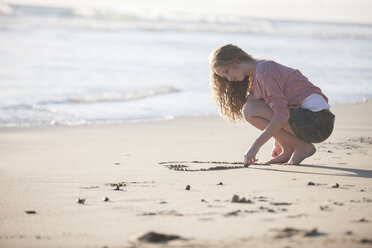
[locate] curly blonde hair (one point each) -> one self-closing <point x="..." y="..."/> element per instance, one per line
<point x="229" y="96"/>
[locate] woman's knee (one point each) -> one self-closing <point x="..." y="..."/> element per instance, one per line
<point x="249" y="110"/>
<point x="256" y="108"/>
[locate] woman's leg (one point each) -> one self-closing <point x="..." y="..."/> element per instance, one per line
<point x="259" y="114"/>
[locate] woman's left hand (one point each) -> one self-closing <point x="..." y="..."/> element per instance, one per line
<point x="250" y="156"/>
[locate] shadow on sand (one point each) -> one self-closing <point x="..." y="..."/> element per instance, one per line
<point x="338" y="171"/>
<point x="344" y="172"/>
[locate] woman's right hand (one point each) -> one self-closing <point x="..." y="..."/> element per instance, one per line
<point x="277" y="149"/>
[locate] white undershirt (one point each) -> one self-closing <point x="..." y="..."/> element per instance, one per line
<point x="315" y="103"/>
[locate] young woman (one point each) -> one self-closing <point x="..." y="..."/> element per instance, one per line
<point x="274" y="98"/>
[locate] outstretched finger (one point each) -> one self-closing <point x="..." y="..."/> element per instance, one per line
<point x="251" y="161"/>
<point x="247" y="162"/>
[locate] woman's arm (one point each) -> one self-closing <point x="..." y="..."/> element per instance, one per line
<point x="274" y="126"/>
<point x="272" y="92"/>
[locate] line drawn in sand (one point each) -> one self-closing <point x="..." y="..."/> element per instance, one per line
<point x="205" y="165"/>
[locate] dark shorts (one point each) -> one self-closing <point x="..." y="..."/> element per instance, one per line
<point x="312" y="127"/>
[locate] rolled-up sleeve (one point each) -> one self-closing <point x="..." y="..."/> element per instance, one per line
<point x="276" y="98"/>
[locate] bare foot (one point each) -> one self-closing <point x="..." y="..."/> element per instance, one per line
<point x="302" y="152"/>
<point x="283" y="157"/>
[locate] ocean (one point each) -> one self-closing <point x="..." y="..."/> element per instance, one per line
<point x="86" y="65"/>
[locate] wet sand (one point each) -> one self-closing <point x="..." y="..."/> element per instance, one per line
<point x="112" y="185"/>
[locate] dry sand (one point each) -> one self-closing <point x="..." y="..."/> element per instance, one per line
<point x="46" y="169"/>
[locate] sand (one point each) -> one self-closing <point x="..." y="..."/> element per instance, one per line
<point x="45" y="170"/>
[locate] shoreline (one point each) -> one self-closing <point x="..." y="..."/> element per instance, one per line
<point x="138" y="121"/>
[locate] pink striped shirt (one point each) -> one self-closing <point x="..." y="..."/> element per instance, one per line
<point x="281" y="87"/>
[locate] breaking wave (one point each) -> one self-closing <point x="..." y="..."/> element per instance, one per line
<point x="188" y="21"/>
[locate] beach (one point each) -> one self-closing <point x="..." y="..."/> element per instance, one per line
<point x="109" y="135"/>
<point x="142" y="168"/>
